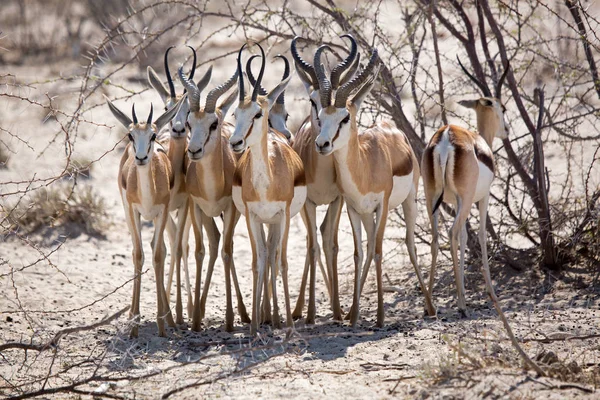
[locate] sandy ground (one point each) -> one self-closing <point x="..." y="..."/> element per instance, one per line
<point x="411" y="357"/>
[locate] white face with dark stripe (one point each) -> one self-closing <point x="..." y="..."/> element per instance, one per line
<point x="142" y="138"/>
<point x="204" y="132"/>
<point x="178" y="123"/>
<point x="335" y="130"/>
<point x="248" y="126"/>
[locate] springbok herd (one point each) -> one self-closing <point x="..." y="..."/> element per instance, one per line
<point x="210" y="168"/>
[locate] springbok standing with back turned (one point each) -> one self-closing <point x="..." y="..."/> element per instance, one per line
<point x="177" y="146"/>
<point x="321" y="185"/>
<point x="208" y="181"/>
<point x="268" y="188"/>
<point x="458" y="168"/>
<point x="376" y="171"/>
<point x="145" y="182"/>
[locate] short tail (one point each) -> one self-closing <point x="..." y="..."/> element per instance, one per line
<point x="442" y="155"/>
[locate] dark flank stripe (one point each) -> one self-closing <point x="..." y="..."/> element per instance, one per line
<point x="485" y="158"/>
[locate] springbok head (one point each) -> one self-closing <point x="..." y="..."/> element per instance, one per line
<point x="340" y="75"/>
<point x="252" y="113"/>
<point x="489" y="109"/>
<point x="205" y="123"/>
<point x="338" y="120"/>
<point x="170" y="97"/>
<point x="278" y="115"/>
<point x="142" y="135"/>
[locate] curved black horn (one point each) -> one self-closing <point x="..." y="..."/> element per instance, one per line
<point x="501" y="80"/>
<point x="484" y="88"/>
<point x="191" y="76"/>
<point x="336" y="73"/>
<point x="149" y="121"/>
<point x="286" y="74"/>
<point x="262" y="91"/>
<point x="324" y="82"/>
<point x="135" y="120"/>
<point x="349" y="73"/>
<point x="239" y="72"/>
<point x="260" y="74"/>
<point x="169" y="79"/>
<point x="192" y="89"/>
<point x="213" y="95"/>
<point x="306" y="67"/>
<point x="344" y="92"/>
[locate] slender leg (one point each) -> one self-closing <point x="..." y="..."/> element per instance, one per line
<point x="171" y="231"/>
<point x="159" y="252"/>
<point x="266" y="316"/>
<point x="369" y="225"/>
<point x="380" y="223"/>
<point x="433" y="219"/>
<point x="196" y="217"/>
<point x="273" y="248"/>
<point x="301" y="294"/>
<point x="259" y="261"/>
<point x="213" y="235"/>
<point x="462" y="213"/>
<point x="181" y="218"/>
<point x="285" y="230"/>
<point x="185" y="251"/>
<point x="314" y="253"/>
<point x="227" y="256"/>
<point x="330" y="248"/>
<point x="133" y="223"/>
<point x="409" y="206"/>
<point x="358" y="259"/>
<point x="240" y="300"/>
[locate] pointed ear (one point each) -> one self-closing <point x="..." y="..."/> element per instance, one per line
<point x="277" y="90"/>
<point x="364" y="90"/>
<point x="157" y="84"/>
<point x="227" y="103"/>
<point x="306" y="81"/>
<point x="468" y="103"/>
<point x="122" y="118"/>
<point x="169" y="114"/>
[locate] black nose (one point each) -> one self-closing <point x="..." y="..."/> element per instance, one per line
<point x="141" y="159"/>
<point x="325" y="145"/>
<point x="195" y="152"/>
<point x="239" y="142"/>
<point x="179" y="131"/>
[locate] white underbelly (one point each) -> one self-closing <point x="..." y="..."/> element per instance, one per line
<point x="270" y="212"/>
<point x="212" y="208"/>
<point x="402" y="187"/>
<point x="298" y="200"/>
<point x="484" y="182"/>
<point x="364" y="204"/>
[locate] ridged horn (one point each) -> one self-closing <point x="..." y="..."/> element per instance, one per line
<point x="306" y="67"/>
<point x="324" y="83"/>
<point x="286" y="74"/>
<point x="261" y="89"/>
<point x="169" y="79"/>
<point x="213" y="95"/>
<point x="351" y="71"/>
<point x="484" y="88"/>
<point x="239" y="72"/>
<point x="135" y="120"/>
<point x="260" y="74"/>
<point x="344" y="92"/>
<point x="149" y="120"/>
<point x="336" y="72"/>
<point x="192" y="89"/>
<point x="501" y="81"/>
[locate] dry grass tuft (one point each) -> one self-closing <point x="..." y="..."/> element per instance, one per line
<point x="58" y="206"/>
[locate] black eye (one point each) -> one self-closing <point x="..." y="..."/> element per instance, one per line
<point x="213" y="127"/>
<point x="287" y="117"/>
<point x="346" y="120"/>
<point x="258" y="115"/>
<point x="153" y="137"/>
<point x="313" y="104"/>
<point x="130" y="137"/>
<point x="270" y="124"/>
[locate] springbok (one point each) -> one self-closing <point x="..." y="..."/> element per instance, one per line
<point x="458" y="168"/>
<point x="177" y="145"/>
<point x="321" y="185"/>
<point x="208" y="181"/>
<point x="268" y="188"/>
<point x="278" y="114"/>
<point x="145" y="181"/>
<point x="376" y="171"/>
